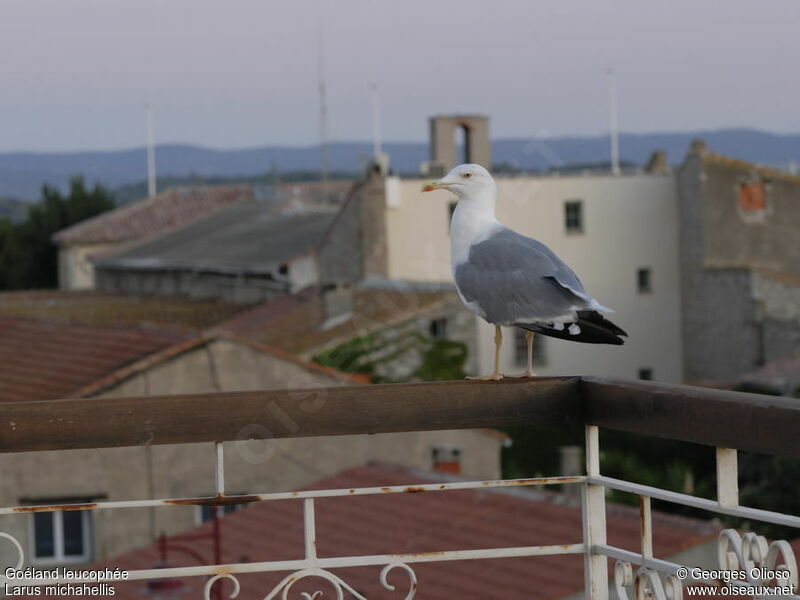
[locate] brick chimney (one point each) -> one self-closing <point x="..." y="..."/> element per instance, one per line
<point x="447" y="459"/>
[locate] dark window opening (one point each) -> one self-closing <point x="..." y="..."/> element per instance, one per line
<point x="283" y="269"/>
<point x="644" y="280"/>
<point x="438" y="329"/>
<point x="43" y="535"/>
<point x="573" y="216"/>
<point x="646" y="374"/>
<point x="61" y="536"/>
<point x="463" y="143"/>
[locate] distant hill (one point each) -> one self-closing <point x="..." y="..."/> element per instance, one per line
<point x="22" y="173"/>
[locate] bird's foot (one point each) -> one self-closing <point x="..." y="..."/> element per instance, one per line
<point x="527" y="374"/>
<point x="492" y="377"/>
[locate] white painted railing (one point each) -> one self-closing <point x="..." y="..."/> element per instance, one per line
<point x="767" y="567"/>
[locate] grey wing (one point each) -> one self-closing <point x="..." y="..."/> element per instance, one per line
<point x="510" y="278"/>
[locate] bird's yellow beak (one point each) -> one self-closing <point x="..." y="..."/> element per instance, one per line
<point x="435" y="185"/>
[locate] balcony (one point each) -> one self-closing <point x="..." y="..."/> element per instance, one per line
<point x="727" y="421"/>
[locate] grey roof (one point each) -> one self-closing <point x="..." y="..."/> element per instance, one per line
<point x="242" y="238"/>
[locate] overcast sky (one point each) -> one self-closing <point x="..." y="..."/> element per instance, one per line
<point x="74" y="74"/>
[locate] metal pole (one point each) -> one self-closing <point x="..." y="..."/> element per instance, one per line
<point x="151" y="152"/>
<point x="323" y="118"/>
<point x="614" y="121"/>
<point x="376" y="121"/>
<point x="595" y="573"/>
<point x="217" y="549"/>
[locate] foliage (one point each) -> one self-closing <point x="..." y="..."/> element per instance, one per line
<point x="439" y="359"/>
<point x="770" y="483"/>
<point x="28" y="257"/>
<point x="442" y="361"/>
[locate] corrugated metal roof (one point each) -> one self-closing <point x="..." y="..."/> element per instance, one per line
<point x="48" y="360"/>
<point x="168" y="210"/>
<point x="243" y="237"/>
<point x="417" y="523"/>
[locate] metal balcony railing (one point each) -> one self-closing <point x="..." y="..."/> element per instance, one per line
<point x="729" y="421"/>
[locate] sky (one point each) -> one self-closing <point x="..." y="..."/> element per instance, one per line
<point x="75" y="74"/>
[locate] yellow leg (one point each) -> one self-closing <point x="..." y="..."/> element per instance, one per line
<point x="529" y="371"/>
<point x="498" y="341"/>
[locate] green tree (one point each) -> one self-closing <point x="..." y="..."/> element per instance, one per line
<point x="28" y="257"/>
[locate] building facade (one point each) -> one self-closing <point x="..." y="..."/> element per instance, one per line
<point x="740" y="265"/>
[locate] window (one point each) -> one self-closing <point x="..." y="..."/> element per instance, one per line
<point x="752" y="197"/>
<point x="644" y="280"/>
<point x="521" y="349"/>
<point x="206" y="513"/>
<point x="283" y="269"/>
<point x="61" y="536"/>
<point x="573" y="216"/>
<point x="438" y="329"/>
<point x="646" y="374"/>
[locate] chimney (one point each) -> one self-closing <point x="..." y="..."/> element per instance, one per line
<point x="443" y="151"/>
<point x="447" y="459"/>
<point x="657" y="163"/>
<point x="698" y="146"/>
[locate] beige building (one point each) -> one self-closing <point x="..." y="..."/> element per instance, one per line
<point x="617" y="233"/>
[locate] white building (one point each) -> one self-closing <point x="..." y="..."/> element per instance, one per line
<point x="617" y="233"/>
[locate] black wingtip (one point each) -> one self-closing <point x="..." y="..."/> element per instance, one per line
<point x="594" y="329"/>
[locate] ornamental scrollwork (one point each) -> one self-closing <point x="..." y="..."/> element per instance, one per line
<point x="758" y="559"/>
<point x="339" y="586"/>
<point x="646" y="582"/>
<point x="18" y="547"/>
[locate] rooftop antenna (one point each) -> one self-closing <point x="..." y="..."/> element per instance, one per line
<point x="376" y="121"/>
<point x="614" y="120"/>
<point x="323" y="116"/>
<point x="151" y="151"/>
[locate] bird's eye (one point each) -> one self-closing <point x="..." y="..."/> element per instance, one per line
<point x="467" y="175"/>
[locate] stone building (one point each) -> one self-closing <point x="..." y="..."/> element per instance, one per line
<point x="740" y="265"/>
<point x="246" y="253"/>
<point x="129" y="225"/>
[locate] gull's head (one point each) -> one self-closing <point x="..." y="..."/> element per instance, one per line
<point x="465" y="181"/>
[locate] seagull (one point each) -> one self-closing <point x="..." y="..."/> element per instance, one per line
<point x="511" y="280"/>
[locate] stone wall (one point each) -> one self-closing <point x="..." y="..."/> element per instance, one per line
<point x="740" y="267"/>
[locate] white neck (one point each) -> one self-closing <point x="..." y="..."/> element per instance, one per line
<point x="473" y="221"/>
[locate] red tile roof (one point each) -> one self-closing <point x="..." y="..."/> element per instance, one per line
<point x="294" y="323"/>
<point x="168" y="210"/>
<point x="47" y="360"/>
<point x="418" y="523"/>
<point x="89" y="307"/>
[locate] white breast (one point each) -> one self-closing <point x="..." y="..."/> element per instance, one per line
<point x="471" y="224"/>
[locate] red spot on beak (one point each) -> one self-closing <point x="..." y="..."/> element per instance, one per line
<point x="428" y="188"/>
